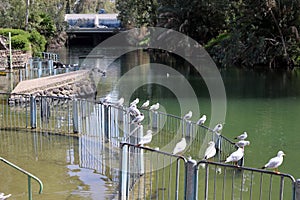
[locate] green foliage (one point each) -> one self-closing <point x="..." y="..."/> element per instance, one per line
<point x="243" y="33"/>
<point x="43" y="23"/>
<point x="135" y="13"/>
<point x="24" y="40"/>
<point x="20" y="42"/>
<point x="13" y="32"/>
<point x="38" y="42"/>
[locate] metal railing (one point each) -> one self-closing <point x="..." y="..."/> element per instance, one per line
<point x="146" y="173"/>
<point x="222" y="181"/>
<point x="29" y="176"/>
<point x="102" y="127"/>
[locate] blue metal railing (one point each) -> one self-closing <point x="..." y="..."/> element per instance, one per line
<point x="29" y="176"/>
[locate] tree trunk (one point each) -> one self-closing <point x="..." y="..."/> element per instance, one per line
<point x="27" y="14"/>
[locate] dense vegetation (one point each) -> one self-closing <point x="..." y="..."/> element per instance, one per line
<point x="24" y="40"/>
<point x="46" y="17"/>
<point x="235" y="32"/>
<point x="243" y="33"/>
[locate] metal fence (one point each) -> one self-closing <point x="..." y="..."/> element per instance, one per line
<point x="144" y="172"/>
<point x="223" y="181"/>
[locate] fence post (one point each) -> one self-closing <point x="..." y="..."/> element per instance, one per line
<point x="106" y="122"/>
<point x="40" y="70"/>
<point x="45" y="110"/>
<point x="32" y="112"/>
<point x="141" y="156"/>
<point x="75" y="116"/>
<point x="123" y="189"/>
<point x="154" y="120"/>
<point x="190" y="180"/>
<point x="188" y="128"/>
<point x="297" y="188"/>
<point x="50" y="66"/>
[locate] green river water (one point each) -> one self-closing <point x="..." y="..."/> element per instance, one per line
<point x="265" y="104"/>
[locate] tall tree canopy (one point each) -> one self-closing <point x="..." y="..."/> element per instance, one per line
<point x="235" y="32"/>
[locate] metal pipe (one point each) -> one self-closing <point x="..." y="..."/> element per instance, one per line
<point x="26" y="173"/>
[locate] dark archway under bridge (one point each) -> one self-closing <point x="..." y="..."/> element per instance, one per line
<point x="89" y="36"/>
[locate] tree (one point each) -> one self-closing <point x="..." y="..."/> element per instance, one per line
<point x="260" y="33"/>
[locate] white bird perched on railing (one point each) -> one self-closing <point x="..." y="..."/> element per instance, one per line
<point x="138" y="119"/>
<point x="218" y="128"/>
<point x="242" y="143"/>
<point x="188" y="115"/>
<point x="210" y="150"/>
<point x="154" y="107"/>
<point x="275" y="162"/>
<point x="106" y="99"/>
<point x="201" y="120"/>
<point x="145" y="104"/>
<point x="190" y="159"/>
<point x="136" y="101"/>
<point x="132" y="110"/>
<point x="120" y="102"/>
<point x="235" y="156"/>
<point x="243" y="136"/>
<point x="146" y="139"/>
<point x="3" y="196"/>
<point x="180" y="146"/>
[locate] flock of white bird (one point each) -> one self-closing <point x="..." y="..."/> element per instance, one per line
<point x="180" y="147"/>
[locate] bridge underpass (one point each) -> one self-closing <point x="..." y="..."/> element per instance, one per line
<point x="91" y="29"/>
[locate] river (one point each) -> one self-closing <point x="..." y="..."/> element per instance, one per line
<point x="263" y="103"/>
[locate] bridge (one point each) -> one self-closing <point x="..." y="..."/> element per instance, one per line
<point x="91" y="29"/>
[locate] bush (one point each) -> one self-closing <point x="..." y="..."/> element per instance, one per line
<point x="20" y="42"/>
<point x="26" y="41"/>
<point x="38" y="42"/>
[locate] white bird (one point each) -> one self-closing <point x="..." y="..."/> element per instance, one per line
<point x="235" y="156"/>
<point x="201" y="120"/>
<point x="154" y="107"/>
<point x="120" y="102"/>
<point x="210" y="150"/>
<point x="191" y="160"/>
<point x="243" y="136"/>
<point x="132" y="110"/>
<point x="275" y="162"/>
<point x="106" y="99"/>
<point x="188" y="115"/>
<point x="138" y="119"/>
<point x="145" y="104"/>
<point x="136" y="101"/>
<point x="242" y="143"/>
<point x="146" y="139"/>
<point x="180" y="146"/>
<point x="3" y="196"/>
<point x="218" y="128"/>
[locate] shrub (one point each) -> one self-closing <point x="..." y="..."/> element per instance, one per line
<point x="26" y="41"/>
<point x="20" y="42"/>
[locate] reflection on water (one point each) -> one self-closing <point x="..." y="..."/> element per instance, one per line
<point x="264" y="104"/>
<point x="56" y="160"/>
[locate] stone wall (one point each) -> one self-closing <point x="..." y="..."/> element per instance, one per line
<point x="19" y="58"/>
<point x="78" y="84"/>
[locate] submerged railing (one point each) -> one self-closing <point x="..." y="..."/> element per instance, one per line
<point x="106" y="136"/>
<point x="29" y="176"/>
<point x="160" y="175"/>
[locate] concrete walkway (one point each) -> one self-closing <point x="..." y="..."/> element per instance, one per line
<point x="68" y="85"/>
<point x="46" y="83"/>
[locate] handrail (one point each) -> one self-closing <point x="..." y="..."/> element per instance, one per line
<point x="29" y="175"/>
